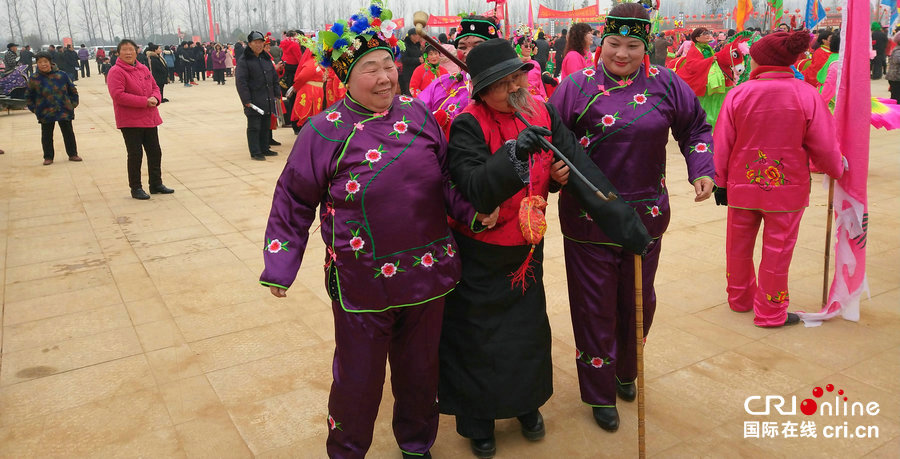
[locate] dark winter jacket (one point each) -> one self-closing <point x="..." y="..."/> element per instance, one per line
<point x="257" y="82"/>
<point x="199" y="58"/>
<point x="69" y="61"/>
<point x="51" y="96"/>
<point x="158" y="69"/>
<point x="26" y="57"/>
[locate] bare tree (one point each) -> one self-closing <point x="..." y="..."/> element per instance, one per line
<point x="56" y="11"/>
<point x="109" y="24"/>
<point x="12" y="11"/>
<point x="37" y="18"/>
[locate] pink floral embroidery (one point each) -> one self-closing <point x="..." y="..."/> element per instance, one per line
<point x="351" y="187"/>
<point x="700" y="148"/>
<point x="275" y="246"/>
<point x="653" y="211"/>
<point x="597" y="362"/>
<point x="426" y="260"/>
<point x="332" y="424"/>
<point x="357" y="243"/>
<point x="609" y="120"/>
<point x="451" y="108"/>
<point x="400" y="127"/>
<point x="589" y="72"/>
<point x="577" y="354"/>
<point x="406" y="100"/>
<point x="584" y="141"/>
<point x="585" y="216"/>
<point x="448" y="250"/>
<point x="389" y="269"/>
<point x="638" y="99"/>
<point x="373" y="155"/>
<point x="334" y="117"/>
<point x="654" y="71"/>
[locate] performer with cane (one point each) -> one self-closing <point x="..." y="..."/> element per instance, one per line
<point x="495" y="342"/>
<point x="623" y="110"/>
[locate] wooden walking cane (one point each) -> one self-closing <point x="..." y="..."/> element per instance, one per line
<point x="828" y="241"/>
<point x="639" y="332"/>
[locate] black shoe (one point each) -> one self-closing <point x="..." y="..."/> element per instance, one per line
<point x="258" y="157"/>
<point x="626" y="392"/>
<point x="485" y="448"/>
<point x="161" y="189"/>
<point x="415" y="456"/>
<point x="792" y="319"/>
<point x="607" y="418"/>
<point x="270" y="153"/>
<point x="533" y="426"/>
<point x="164" y="100"/>
<point x="274" y="142"/>
<point x="139" y="193"/>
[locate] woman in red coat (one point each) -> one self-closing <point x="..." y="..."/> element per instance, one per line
<point x="427" y="72"/>
<point x="316" y="88"/>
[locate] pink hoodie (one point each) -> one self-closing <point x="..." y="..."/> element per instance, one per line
<point x="130" y="86"/>
<point x="767" y="132"/>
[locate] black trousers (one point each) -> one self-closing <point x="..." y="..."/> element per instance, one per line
<point x="895" y="90"/>
<point x="219" y="75"/>
<point x="68" y="138"/>
<point x="877" y="66"/>
<point x="198" y="73"/>
<point x="85" y="67"/>
<point x="137" y="142"/>
<point x="259" y="131"/>
<point x="187" y="75"/>
<point x="480" y="429"/>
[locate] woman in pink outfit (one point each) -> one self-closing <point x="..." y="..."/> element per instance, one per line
<point x="525" y="49"/>
<point x="578" y="45"/>
<point x="762" y="156"/>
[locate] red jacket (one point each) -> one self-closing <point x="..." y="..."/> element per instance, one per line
<point x="129" y="87"/>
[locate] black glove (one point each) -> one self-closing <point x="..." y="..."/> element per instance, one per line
<point x="721" y="196"/>
<point x="530" y="141"/>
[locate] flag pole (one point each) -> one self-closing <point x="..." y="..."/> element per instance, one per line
<point x="828" y="241"/>
<point x="639" y="333"/>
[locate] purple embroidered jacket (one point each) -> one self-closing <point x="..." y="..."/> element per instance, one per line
<point x="380" y="179"/>
<point x="624" y="126"/>
<point x="448" y="93"/>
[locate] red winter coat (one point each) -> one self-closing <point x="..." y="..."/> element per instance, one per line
<point x="129" y="87"/>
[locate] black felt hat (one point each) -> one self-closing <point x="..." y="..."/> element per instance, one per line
<point x="492" y="60"/>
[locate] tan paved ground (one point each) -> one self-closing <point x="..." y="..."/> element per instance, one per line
<point x="137" y="328"/>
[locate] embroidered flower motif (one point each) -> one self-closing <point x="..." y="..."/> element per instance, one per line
<point x="765" y="173"/>
<point x="357" y="243"/>
<point x="653" y="211"/>
<point x="609" y="120"/>
<point x="662" y="182"/>
<point x="400" y="127"/>
<point x="351" y="187"/>
<point x="597" y="362"/>
<point x="577" y="353"/>
<point x="451" y="108"/>
<point x="373" y="155"/>
<point x="332" y="424"/>
<point x="584" y="141"/>
<point x="585" y="216"/>
<point x="358" y="126"/>
<point x="334" y="117"/>
<point x="589" y="72"/>
<point x="700" y="148"/>
<point x="389" y="269"/>
<point x="426" y="260"/>
<point x="448" y="250"/>
<point x="491" y="30"/>
<point x="781" y="297"/>
<point x="406" y="100"/>
<point x="653" y="71"/>
<point x="638" y="99"/>
<point x="275" y="246"/>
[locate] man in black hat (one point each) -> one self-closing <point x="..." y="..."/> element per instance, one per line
<point x="257" y="84"/>
<point x="11" y="58"/>
<point x="495" y="343"/>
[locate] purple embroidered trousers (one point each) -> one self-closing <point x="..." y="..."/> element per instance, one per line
<point x="408" y="337"/>
<point x="601" y="300"/>
<point x="767" y="296"/>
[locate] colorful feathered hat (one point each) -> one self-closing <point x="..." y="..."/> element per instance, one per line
<point x="347" y="41"/>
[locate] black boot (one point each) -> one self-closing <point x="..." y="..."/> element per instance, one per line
<point x="626" y="392"/>
<point x="607" y="417"/>
<point x="139" y="193"/>
<point x="161" y="189"/>
<point x="533" y="425"/>
<point x="484" y="448"/>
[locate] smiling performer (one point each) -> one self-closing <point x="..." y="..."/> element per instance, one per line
<point x="375" y="165"/>
<point x="623" y="110"/>
<point x="448" y="95"/>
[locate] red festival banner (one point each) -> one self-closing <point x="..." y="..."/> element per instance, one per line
<point x="582" y="13"/>
<point x="443" y="21"/>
